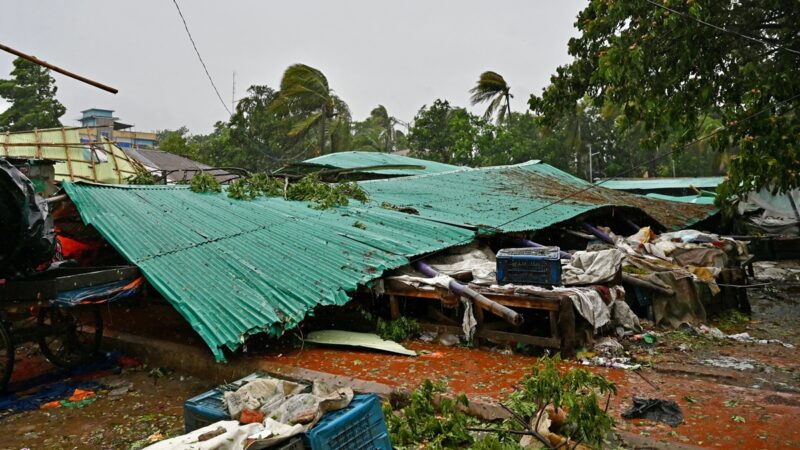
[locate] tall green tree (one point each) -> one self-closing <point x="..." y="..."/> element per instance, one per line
<point x="32" y="94"/>
<point x="492" y="88"/>
<point x="670" y="72"/>
<point x="448" y="134"/>
<point x="308" y="100"/>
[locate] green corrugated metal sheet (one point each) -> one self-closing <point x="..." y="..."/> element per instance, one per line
<point x="487" y="198"/>
<point x="235" y="268"/>
<point x="350" y="160"/>
<point x="102" y="162"/>
<point x="696" y="199"/>
<point x="651" y="184"/>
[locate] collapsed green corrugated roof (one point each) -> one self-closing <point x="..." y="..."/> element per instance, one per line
<point x="487" y="198"/>
<point x="234" y="268"/>
<point x="352" y="160"/>
<point x="650" y="184"/>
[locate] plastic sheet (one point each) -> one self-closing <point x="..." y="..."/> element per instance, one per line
<point x="104" y="293"/>
<point x="28" y="239"/>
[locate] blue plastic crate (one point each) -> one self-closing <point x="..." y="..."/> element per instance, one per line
<point x="360" y="426"/>
<point x="209" y="407"/>
<point x="539" y="266"/>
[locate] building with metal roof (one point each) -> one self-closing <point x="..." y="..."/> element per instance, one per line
<point x="370" y="162"/>
<point x="176" y="168"/>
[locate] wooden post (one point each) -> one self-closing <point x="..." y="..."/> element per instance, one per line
<point x="394" y="307"/>
<point x="67" y="149"/>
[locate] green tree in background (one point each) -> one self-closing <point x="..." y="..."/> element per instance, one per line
<point x="447" y="134"/>
<point x="32" y="94"/>
<point x="492" y="88"/>
<point x="676" y="79"/>
<point x="306" y="98"/>
<point x="376" y="132"/>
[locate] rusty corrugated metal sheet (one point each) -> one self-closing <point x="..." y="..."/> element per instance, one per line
<point x="489" y="197"/>
<point x="235" y="268"/>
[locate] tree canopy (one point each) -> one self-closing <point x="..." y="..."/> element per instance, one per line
<point x="32" y="94"/>
<point x="676" y="81"/>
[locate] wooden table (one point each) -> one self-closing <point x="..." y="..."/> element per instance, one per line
<point x="558" y="306"/>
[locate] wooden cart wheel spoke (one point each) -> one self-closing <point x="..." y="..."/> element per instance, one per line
<point x="66" y="339"/>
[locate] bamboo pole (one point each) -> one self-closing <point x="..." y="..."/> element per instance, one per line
<point x="38" y="61"/>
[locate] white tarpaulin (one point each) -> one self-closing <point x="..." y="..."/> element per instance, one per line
<point x="592" y="267"/>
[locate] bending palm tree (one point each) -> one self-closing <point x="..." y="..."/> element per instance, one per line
<point x="492" y="88"/>
<point x="305" y="93"/>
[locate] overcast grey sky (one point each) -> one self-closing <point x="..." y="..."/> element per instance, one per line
<point x="400" y="54"/>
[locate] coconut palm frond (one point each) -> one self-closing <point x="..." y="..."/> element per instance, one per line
<point x="305" y="125"/>
<point x="492" y="87"/>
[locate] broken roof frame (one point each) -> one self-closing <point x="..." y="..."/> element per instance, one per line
<point x="75" y="160"/>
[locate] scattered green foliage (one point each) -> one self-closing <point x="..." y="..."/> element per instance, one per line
<point x="324" y="195"/>
<point x="360" y="225"/>
<point x="690" y="399"/>
<point x="737" y="419"/>
<point x="731" y="319"/>
<point x="142" y="177"/>
<point x="205" y="182"/>
<point x="397" y="330"/>
<point x="266" y="185"/>
<point x="422" y="423"/>
<point x="575" y="390"/>
<point x="242" y="189"/>
<point x="730" y="403"/>
<point x="387" y="205"/>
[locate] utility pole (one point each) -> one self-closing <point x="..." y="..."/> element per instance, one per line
<point x="591" y="172"/>
<point x="233" y="94"/>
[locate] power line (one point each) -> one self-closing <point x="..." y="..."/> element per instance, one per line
<point x="201" y="58"/>
<point x="724" y="30"/>
<point x="657" y="158"/>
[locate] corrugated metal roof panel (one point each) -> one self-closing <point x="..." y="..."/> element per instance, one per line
<point x="234" y="268"/>
<point x="350" y="160"/>
<point x="650" y="184"/>
<point x="488" y="197"/>
<point x="696" y="199"/>
<point x="102" y="162"/>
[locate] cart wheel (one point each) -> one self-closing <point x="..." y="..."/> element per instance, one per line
<point x="67" y="338"/>
<point x="6" y="356"/>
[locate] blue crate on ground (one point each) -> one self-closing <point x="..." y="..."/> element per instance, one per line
<point x="209" y="407"/>
<point x="539" y="266"/>
<point x="360" y="426"/>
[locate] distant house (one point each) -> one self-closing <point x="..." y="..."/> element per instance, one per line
<point x="101" y="123"/>
<point x="174" y="167"/>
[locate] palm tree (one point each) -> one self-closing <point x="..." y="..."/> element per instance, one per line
<point x="492" y="88"/>
<point x="380" y="116"/>
<point x="305" y="93"/>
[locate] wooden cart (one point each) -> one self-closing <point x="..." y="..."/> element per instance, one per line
<point x="67" y="336"/>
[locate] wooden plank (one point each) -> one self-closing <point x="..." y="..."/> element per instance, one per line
<point x="66" y="155"/>
<point x="547" y="304"/>
<point x="496" y="335"/>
